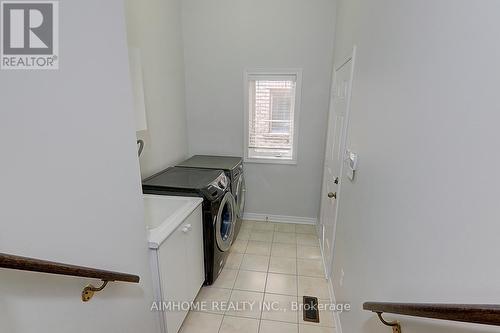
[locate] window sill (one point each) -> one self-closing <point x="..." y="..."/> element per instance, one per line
<point x="269" y="161"/>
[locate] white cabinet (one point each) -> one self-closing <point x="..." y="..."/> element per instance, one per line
<point x="181" y="269"/>
<point x="194" y="249"/>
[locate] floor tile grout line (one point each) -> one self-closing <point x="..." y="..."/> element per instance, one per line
<point x="263" y="319"/>
<point x="267" y="319"/>
<point x="270" y="293"/>
<point x="220" y="325"/>
<point x="229" y="301"/>
<point x="265" y="285"/>
<point x="265" y="289"/>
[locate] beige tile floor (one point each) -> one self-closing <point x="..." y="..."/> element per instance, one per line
<point x="269" y="263"/>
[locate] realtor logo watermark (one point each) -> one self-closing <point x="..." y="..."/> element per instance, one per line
<point x="29" y="35"/>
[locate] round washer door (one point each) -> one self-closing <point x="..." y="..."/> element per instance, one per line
<point x="225" y="221"/>
<point x="240" y="196"/>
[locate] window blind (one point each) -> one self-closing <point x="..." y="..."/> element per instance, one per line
<point x="271" y="118"/>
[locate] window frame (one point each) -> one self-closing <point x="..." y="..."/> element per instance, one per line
<point x="272" y="74"/>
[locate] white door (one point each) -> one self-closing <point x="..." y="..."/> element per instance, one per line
<point x="334" y="155"/>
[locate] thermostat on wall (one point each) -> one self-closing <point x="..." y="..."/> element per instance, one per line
<point x="351" y="162"/>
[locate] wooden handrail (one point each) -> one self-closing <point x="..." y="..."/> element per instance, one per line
<point x="487" y="314"/>
<point x="43" y="266"/>
<point x="36" y="265"/>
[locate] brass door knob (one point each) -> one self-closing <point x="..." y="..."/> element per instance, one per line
<point x="332" y="195"/>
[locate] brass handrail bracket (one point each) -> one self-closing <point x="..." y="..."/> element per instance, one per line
<point x="396" y="326"/>
<point x="89" y="291"/>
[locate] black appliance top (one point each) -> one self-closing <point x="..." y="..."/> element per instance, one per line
<point x="185" y="178"/>
<point x="212" y="162"/>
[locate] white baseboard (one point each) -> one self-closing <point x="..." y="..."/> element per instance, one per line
<point x="279" y="218"/>
<point x="336" y="316"/>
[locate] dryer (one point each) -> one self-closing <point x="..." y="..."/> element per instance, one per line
<point x="219" y="212"/>
<point x="233" y="167"/>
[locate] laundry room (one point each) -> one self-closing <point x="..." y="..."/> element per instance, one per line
<point x="249" y="166"/>
<point x="249" y="101"/>
<point x="224" y="106"/>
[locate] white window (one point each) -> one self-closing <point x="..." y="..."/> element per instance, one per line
<point x="272" y="100"/>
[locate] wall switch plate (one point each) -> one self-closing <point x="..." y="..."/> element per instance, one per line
<point x="351" y="163"/>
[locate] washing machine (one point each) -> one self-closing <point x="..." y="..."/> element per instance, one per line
<point x="233" y="167"/>
<point x="219" y="211"/>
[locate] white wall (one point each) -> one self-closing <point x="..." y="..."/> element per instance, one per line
<point x="420" y="223"/>
<point x="155" y="28"/>
<point x="224" y="37"/>
<point x="70" y="181"/>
